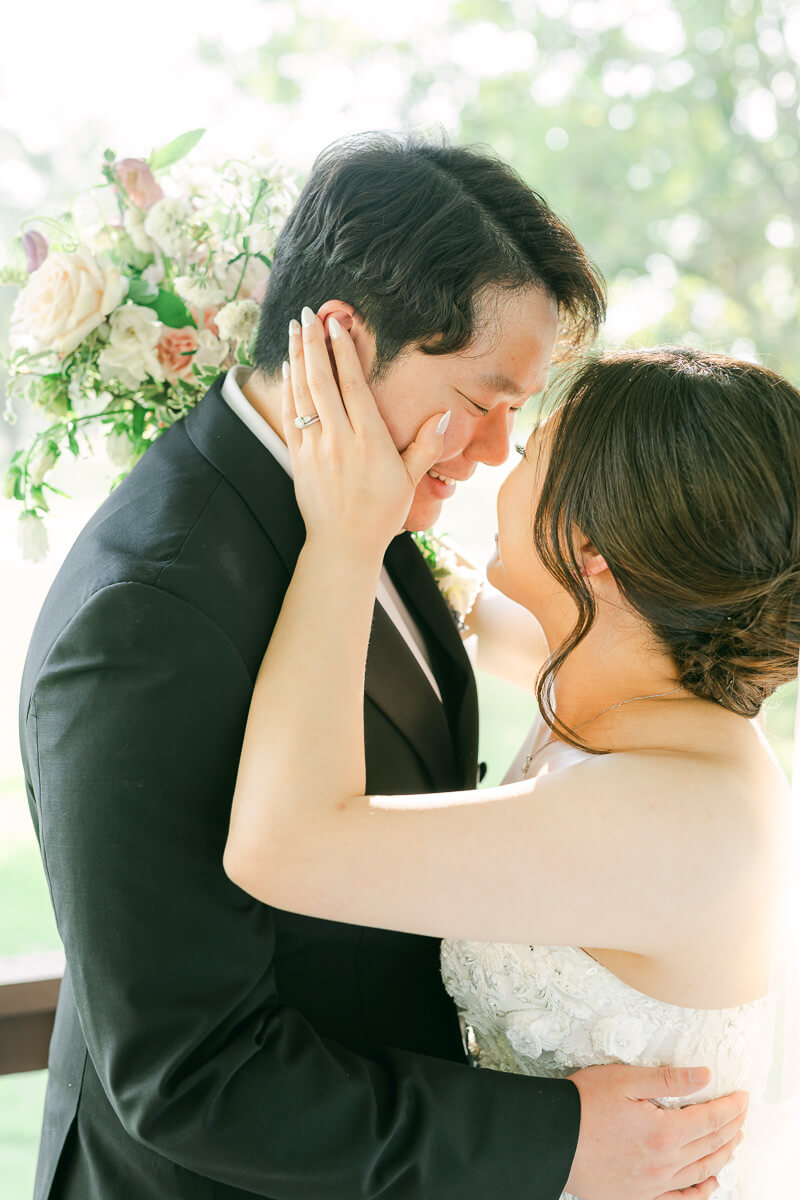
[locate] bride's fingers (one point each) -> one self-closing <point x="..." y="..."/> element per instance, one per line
<point x="303" y="401"/>
<point x="318" y="374"/>
<point x="359" y="401"/>
<point x="292" y="435"/>
<point x="426" y="449"/>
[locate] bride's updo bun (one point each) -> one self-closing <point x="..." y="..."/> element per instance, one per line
<point x="683" y="468"/>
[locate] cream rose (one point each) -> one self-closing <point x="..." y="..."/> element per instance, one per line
<point x="68" y="296"/>
<point x="130" y="353"/>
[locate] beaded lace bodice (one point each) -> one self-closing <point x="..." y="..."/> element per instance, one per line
<point x="551" y="1010"/>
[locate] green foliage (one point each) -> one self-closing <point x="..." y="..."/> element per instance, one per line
<point x="174" y="150"/>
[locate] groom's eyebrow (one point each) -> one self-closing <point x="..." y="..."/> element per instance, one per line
<point x="501" y="383"/>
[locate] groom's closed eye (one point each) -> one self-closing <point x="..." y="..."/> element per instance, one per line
<point x="484" y="411"/>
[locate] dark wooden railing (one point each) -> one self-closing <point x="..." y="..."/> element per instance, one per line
<point x="29" y="986"/>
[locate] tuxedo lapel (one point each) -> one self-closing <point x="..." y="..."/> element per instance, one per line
<point x="394" y="679"/>
<point x="414" y="580"/>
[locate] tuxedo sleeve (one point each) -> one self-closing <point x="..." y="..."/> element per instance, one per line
<point x="133" y="734"/>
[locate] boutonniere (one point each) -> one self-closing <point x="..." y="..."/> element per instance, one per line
<point x="458" y="582"/>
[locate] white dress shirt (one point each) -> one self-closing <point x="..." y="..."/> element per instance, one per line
<point x="388" y="596"/>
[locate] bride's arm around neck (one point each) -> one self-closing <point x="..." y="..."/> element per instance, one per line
<point x="634" y="851"/>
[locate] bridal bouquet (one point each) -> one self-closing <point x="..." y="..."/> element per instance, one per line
<point x="131" y="304"/>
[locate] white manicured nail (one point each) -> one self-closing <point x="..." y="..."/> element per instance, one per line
<point x="445" y="421"/>
<point x="307" y="316"/>
<point x="334" y="328"/>
<point x="285" y="369"/>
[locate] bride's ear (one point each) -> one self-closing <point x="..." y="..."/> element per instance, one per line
<point x="590" y="559"/>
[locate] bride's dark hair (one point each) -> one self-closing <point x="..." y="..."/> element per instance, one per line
<point x="683" y="469"/>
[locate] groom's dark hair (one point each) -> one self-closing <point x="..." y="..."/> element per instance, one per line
<point x="411" y="232"/>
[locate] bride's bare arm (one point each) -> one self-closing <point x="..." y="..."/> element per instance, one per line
<point x="566" y="859"/>
<point x="511" y="642"/>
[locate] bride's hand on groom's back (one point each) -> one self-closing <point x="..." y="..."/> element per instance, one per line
<point x="352" y="484"/>
<point x="632" y="1149"/>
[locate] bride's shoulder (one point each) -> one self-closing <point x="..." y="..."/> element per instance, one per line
<point x="715" y="777"/>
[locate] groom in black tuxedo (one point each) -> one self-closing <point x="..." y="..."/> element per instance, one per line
<point x="206" y="1046"/>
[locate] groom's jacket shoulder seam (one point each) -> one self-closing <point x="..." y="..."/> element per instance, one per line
<point x="127" y="583"/>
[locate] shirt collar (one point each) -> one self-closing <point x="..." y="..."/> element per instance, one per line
<point x="236" y="399"/>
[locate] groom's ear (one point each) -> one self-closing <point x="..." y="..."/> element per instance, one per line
<point x="345" y="314"/>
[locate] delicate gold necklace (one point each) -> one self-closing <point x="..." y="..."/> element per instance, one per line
<point x="653" y="696"/>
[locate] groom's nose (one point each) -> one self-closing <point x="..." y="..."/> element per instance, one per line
<point x="490" y="439"/>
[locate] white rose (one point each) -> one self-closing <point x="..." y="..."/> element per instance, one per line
<point x="134" y="225"/>
<point x="32" y="537"/>
<point x="199" y="290"/>
<point x="166" y="222"/>
<point x="620" y="1037"/>
<point x="41" y="462"/>
<point x="211" y="352"/>
<point x="119" y="449"/>
<point x="130" y="353"/>
<point x="238" y="319"/>
<point x="67" y="297"/>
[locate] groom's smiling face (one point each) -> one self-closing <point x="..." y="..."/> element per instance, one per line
<point x="484" y="386"/>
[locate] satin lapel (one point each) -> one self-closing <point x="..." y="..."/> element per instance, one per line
<point x="394" y="679"/>
<point x="412" y="577"/>
<point x="397" y="684"/>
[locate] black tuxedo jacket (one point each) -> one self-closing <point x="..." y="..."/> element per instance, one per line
<point x="207" y="1046"/>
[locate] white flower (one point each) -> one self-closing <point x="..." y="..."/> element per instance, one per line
<point x="67" y="297"/>
<point x="259" y="238"/>
<point x="86" y="402"/>
<point x="620" y="1037"/>
<point x="530" y="1034"/>
<point x="238" y="319"/>
<point x="166" y="222"/>
<point x="119" y="448"/>
<point x="41" y="462"/>
<point x="199" y="290"/>
<point x="211" y="352"/>
<point x="155" y="272"/>
<point x="460" y="585"/>
<point x="256" y="274"/>
<point x="130" y="353"/>
<point x="134" y="225"/>
<point x="32" y="537"/>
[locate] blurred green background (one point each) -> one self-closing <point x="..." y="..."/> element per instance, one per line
<point x="665" y="133"/>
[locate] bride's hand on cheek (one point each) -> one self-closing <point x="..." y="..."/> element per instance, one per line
<point x="353" y="486"/>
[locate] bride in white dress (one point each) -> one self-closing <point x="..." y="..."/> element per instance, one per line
<point x="617" y="900"/>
